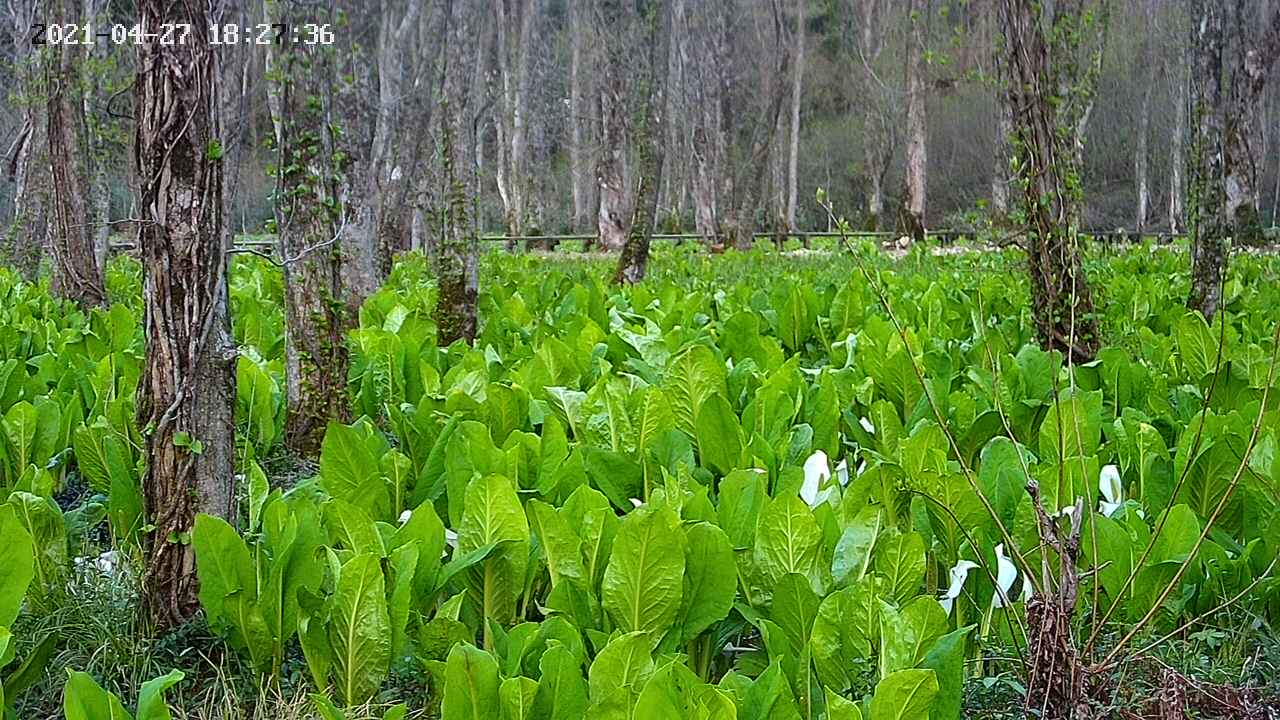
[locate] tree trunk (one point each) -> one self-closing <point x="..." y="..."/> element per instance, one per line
<point x="1140" y="160"/>
<point x="457" y="266"/>
<point x="515" y="41"/>
<point x="187" y="391"/>
<point x="1004" y="130"/>
<point x="1043" y="61"/>
<point x="1177" y="183"/>
<point x="797" y="97"/>
<point x="879" y="122"/>
<point x="583" y="121"/>
<point x="704" y="62"/>
<point x="1256" y="55"/>
<point x="1208" y="223"/>
<point x="615" y="212"/>
<point x="23" y="240"/>
<point x="1223" y="172"/>
<point x="650" y="137"/>
<point x="917" y="125"/>
<point x="309" y="214"/>
<point x="76" y="273"/>
<point x="374" y="233"/>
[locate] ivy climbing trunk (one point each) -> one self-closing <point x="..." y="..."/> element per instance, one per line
<point x="456" y="263"/>
<point x="310" y="216"/>
<point x="1050" y="90"/>
<point x="187" y="389"/>
<point x="76" y="274"/>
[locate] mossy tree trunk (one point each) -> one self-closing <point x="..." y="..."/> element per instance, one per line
<point x="187" y="391"/>
<point x="310" y="216"/>
<point x="650" y="137"/>
<point x="1208" y="223"/>
<point x="457" y="261"/>
<point x="1224" y="172"/>
<point x="1050" y="88"/>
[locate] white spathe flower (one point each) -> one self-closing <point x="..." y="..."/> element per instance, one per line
<point x="450" y="538"/>
<point x="842" y="472"/>
<point x="636" y="502"/>
<point x="867" y="425"/>
<point x="404" y="516"/>
<point x="1006" y="574"/>
<point x="1112" y="489"/>
<point x="959" y="574"/>
<point x="817" y="469"/>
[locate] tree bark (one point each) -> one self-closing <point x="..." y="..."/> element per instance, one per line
<point x="1223" y="171"/>
<point x="1177" y="182"/>
<point x="615" y="208"/>
<point x="705" y="62"/>
<point x="1208" y="222"/>
<point x="515" y="41"/>
<point x="1141" y="160"/>
<point x="77" y="276"/>
<point x="23" y="237"/>
<point x="187" y="392"/>
<point x="1004" y="130"/>
<point x="457" y="263"/>
<point x="371" y="109"/>
<point x="581" y="167"/>
<point x="650" y="137"/>
<point x="1044" y="62"/>
<point x="917" y="125"/>
<point x="797" y="98"/>
<point x="880" y="122"/>
<point x="310" y="212"/>
<point x="1257" y="52"/>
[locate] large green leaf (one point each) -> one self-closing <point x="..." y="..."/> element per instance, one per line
<point x="515" y="698"/>
<point x="643" y="583"/>
<point x="16" y="564"/>
<point x="618" y="675"/>
<point x="901" y="561"/>
<point x="470" y="685"/>
<point x="151" y="704"/>
<point x="1197" y="345"/>
<point x="562" y="691"/>
<point x="946" y="660"/>
<point x="346" y="459"/>
<point x="84" y="699"/>
<point x="908" y="634"/>
<point x="710" y="580"/>
<point x="788" y="539"/>
<point x="742" y="495"/>
<point x="493" y="516"/>
<point x="719" y="435"/>
<point x="904" y="695"/>
<point x="223" y="565"/>
<point x="360" y="629"/>
<point x="692" y="377"/>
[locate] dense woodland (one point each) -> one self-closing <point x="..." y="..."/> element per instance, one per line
<point x="346" y="370"/>
<point x="812" y="93"/>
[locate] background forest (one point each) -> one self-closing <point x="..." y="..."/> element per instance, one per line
<point x="339" y="378"/>
<point x="840" y="110"/>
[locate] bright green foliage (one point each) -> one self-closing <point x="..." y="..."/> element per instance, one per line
<point x="613" y="505"/>
<point x="84" y="699"/>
